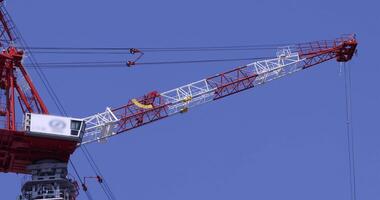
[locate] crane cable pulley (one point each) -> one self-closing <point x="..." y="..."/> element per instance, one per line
<point x="139" y="53"/>
<point x="97" y="177"/>
<point x="134" y="51"/>
<point x="110" y="64"/>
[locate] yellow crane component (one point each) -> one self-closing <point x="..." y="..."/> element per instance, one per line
<point x="187" y="99"/>
<point x="184" y="110"/>
<point x="140" y="105"/>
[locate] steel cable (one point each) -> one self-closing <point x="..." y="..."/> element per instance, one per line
<point x="350" y="136"/>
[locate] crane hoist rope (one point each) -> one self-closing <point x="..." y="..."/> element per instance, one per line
<point x="350" y="132"/>
<point x="121" y="64"/>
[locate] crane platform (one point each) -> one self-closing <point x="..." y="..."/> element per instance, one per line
<point x="19" y="150"/>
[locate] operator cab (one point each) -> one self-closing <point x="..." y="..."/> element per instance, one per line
<point x="55" y="127"/>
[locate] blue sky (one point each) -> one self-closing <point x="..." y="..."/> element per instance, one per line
<point x="282" y="140"/>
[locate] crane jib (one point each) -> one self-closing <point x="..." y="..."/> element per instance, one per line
<point x="155" y="106"/>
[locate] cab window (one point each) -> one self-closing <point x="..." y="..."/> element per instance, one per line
<point x="75" y="127"/>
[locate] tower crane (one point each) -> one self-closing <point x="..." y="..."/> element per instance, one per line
<point x="42" y="146"/>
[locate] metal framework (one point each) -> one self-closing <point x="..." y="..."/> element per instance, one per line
<point x="100" y="125"/>
<point x="18" y="150"/>
<point x="155" y="106"/>
<point x="15" y="83"/>
<point x="342" y="49"/>
<point x="49" y="181"/>
<point x="46" y="158"/>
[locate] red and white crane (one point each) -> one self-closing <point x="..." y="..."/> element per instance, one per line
<point x="43" y="145"/>
<point x="155" y="105"/>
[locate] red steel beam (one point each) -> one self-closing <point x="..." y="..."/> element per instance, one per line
<point x="132" y="116"/>
<point x="341" y="49"/>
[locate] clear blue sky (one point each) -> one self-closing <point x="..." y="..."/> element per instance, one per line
<point x="285" y="140"/>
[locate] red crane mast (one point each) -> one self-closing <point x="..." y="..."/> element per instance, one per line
<point x="16" y="84"/>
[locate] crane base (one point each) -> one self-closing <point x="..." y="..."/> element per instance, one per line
<point x="49" y="182"/>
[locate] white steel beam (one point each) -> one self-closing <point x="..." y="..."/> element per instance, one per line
<point x="179" y="100"/>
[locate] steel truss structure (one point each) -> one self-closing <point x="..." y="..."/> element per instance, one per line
<point x="180" y="99"/>
<point x="46" y="158"/>
<point x="155" y="106"/>
<point x="14" y="79"/>
<point x="18" y="150"/>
